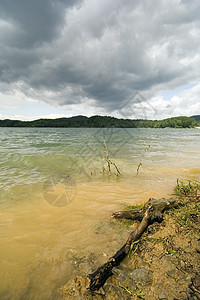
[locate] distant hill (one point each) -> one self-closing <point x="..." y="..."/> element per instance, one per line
<point x="103" y="122"/>
<point x="196" y="117"/>
<point x="78" y="117"/>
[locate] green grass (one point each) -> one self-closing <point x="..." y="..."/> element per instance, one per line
<point x="187" y="188"/>
<point x="132" y="207"/>
<point x="188" y="213"/>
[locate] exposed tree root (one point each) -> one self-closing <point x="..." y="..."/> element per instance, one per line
<point x="151" y="212"/>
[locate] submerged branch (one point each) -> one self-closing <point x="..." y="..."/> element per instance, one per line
<point x="109" y="162"/>
<point x="141" y="158"/>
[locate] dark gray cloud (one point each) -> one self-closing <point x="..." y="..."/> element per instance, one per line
<point x="31" y="23"/>
<point x="68" y="52"/>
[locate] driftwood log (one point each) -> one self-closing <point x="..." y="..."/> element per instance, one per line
<point x="151" y="212"/>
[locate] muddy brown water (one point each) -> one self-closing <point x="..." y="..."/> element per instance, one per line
<point x="40" y="242"/>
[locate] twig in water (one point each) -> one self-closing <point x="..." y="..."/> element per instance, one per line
<point x="141" y="158"/>
<point x="109" y="162"/>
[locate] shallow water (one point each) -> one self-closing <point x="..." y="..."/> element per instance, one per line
<point x="56" y="201"/>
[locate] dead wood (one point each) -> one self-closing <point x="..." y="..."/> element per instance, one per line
<point x="152" y="211"/>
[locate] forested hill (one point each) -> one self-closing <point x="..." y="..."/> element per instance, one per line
<point x="103" y="121"/>
<point x="197" y="117"/>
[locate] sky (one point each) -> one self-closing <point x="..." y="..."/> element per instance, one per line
<point x="123" y="58"/>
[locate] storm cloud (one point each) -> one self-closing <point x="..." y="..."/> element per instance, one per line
<point x="101" y="53"/>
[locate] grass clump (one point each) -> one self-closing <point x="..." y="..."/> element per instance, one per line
<point x="133" y="207"/>
<point x="188" y="214"/>
<point x="187" y="188"/>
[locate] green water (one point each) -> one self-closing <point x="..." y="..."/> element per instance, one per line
<point x="29" y="155"/>
<point x="38" y="240"/>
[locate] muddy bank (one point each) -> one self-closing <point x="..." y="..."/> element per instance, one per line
<point x="163" y="264"/>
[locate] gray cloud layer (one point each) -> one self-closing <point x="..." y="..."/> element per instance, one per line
<point x="66" y="51"/>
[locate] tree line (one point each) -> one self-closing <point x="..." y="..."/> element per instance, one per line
<point x="104" y="122"/>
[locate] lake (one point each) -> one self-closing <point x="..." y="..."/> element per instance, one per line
<point x="57" y="196"/>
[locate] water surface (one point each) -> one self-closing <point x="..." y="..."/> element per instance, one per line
<point x="39" y="241"/>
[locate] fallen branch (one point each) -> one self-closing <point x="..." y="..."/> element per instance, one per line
<point x="109" y="162"/>
<point x="151" y="212"/>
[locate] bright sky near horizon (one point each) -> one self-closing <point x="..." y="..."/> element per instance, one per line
<point x="134" y="59"/>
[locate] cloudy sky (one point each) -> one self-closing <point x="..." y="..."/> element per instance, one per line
<point x="124" y="58"/>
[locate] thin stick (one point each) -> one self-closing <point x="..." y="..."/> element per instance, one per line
<point x="109" y="161"/>
<point x="141" y="158"/>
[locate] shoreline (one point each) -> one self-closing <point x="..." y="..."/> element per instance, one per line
<point x="164" y="263"/>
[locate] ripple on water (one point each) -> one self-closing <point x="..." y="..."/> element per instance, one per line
<point x="38" y="239"/>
